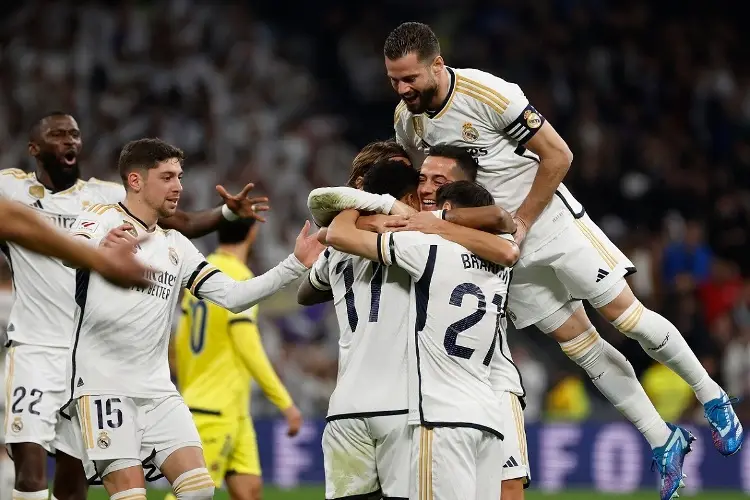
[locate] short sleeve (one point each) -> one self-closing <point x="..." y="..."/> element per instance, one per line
<point x="319" y="275"/>
<point x="110" y="191"/>
<point x="10" y="180"/>
<point x="408" y="250"/>
<point x="91" y="226"/>
<point x="510" y="111"/>
<point x="195" y="268"/>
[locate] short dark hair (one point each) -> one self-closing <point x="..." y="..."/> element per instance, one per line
<point x="412" y="37"/>
<point x="35" y="131"/>
<point x="393" y="177"/>
<point x="464" y="194"/>
<point x="370" y="155"/>
<point x="235" y="231"/>
<point x="464" y="160"/>
<point x="145" y="154"/>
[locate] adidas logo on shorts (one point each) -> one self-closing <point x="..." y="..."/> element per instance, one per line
<point x="601" y="274"/>
<point x="510" y="463"/>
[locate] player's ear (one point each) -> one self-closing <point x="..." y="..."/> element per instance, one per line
<point x="358" y="182"/>
<point x="437" y="65"/>
<point x="135" y="181"/>
<point x="447" y="205"/>
<point x="412" y="199"/>
<point x="33" y="149"/>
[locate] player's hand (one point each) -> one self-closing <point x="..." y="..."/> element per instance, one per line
<point x="118" y="265"/>
<point x="307" y="247"/>
<point x="521" y="229"/>
<point x="120" y="235"/>
<point x="242" y="206"/>
<point x="293" y="420"/>
<point x="424" y="222"/>
<point x="379" y="223"/>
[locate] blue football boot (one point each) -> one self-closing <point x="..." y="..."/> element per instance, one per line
<point x="669" y="459"/>
<point x="726" y="429"/>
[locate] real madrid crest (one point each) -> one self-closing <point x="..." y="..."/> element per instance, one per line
<point x="416" y="122"/>
<point x="173" y="257"/>
<point x="130" y="229"/>
<point x="532" y="119"/>
<point x="37" y="191"/>
<point x="17" y="425"/>
<point x="103" y="441"/>
<point x="469" y="133"/>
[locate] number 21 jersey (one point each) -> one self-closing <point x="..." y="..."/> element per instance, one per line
<point x="372" y="305"/>
<point x="457" y="304"/>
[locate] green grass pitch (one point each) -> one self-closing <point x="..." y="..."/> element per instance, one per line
<point x="316" y="493"/>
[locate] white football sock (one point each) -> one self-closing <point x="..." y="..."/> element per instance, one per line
<point x="30" y="495"/>
<point x="614" y="376"/>
<point x="663" y="342"/>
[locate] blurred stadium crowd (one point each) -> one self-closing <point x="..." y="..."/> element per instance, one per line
<point x="652" y="97"/>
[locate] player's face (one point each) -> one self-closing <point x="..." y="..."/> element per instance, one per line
<point x="163" y="187"/>
<point x="57" y="148"/>
<point x="415" y="81"/>
<point x="435" y="172"/>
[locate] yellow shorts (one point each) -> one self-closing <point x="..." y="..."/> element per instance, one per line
<point x="229" y="445"/>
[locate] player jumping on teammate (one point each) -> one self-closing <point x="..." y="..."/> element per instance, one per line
<point x="564" y="254"/>
<point x="123" y="405"/>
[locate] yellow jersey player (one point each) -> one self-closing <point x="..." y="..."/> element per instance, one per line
<point x="218" y="354"/>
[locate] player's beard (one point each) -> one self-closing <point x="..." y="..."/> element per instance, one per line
<point x="62" y="175"/>
<point x="424" y="99"/>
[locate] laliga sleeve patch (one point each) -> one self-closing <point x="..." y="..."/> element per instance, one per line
<point x="526" y="125"/>
<point x="85" y="227"/>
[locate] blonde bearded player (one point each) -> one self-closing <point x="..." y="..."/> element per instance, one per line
<point x="565" y="255"/>
<point x="41" y="320"/>
<point x="218" y="354"/>
<point x="123" y="405"/>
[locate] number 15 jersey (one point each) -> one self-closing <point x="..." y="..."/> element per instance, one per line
<point x="372" y="308"/>
<point x="457" y="302"/>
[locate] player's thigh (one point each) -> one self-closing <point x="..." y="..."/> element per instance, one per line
<point x="35" y="391"/>
<point x="490" y="453"/>
<point x="244" y="457"/>
<point x="349" y="459"/>
<point x="111" y="433"/>
<point x="72" y="467"/>
<point x="392" y="453"/>
<point x="218" y="434"/>
<point x="515" y="461"/>
<point x="444" y="462"/>
<point x="171" y="437"/>
<point x="589" y="263"/>
<point x="535" y="293"/>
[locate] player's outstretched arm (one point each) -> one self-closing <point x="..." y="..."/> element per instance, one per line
<point x="325" y="203"/>
<point x="492" y="219"/>
<point x="209" y="283"/>
<point x="344" y="236"/>
<point x="23" y="227"/>
<point x="239" y="206"/>
<point x="488" y="246"/>
<point x="555" y="159"/>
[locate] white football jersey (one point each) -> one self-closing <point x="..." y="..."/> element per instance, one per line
<point x="43" y="310"/>
<point x="121" y="336"/>
<point x="372" y="308"/>
<point x="457" y="302"/>
<point x="493" y="119"/>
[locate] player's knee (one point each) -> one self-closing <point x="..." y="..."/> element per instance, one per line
<point x="256" y="490"/>
<point x="194" y="484"/>
<point x="585" y="349"/>
<point x="627" y="323"/>
<point x="130" y="494"/>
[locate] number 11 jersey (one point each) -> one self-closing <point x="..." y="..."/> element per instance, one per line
<point x="372" y="308"/>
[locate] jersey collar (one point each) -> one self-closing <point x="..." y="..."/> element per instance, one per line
<point x="139" y="221"/>
<point x="446" y="103"/>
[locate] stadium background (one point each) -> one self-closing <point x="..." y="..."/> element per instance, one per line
<point x="652" y="97"/>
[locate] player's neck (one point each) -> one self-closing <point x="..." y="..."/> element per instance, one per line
<point x="54" y="184"/>
<point x="239" y="251"/>
<point x="141" y="210"/>
<point x="444" y="88"/>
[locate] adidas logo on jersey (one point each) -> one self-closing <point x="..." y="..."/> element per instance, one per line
<point x="80" y="382"/>
<point x="601" y="274"/>
<point x="510" y="463"/>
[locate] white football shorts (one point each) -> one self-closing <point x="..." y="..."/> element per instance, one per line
<point x="35" y="383"/>
<point x="455" y="463"/>
<point x="515" y="465"/>
<point x="367" y="455"/>
<point x="580" y="263"/>
<point x="119" y="431"/>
